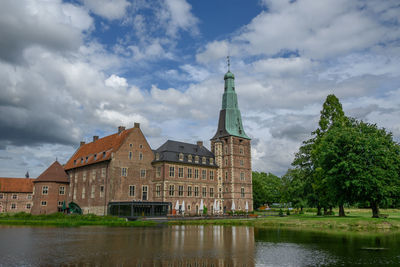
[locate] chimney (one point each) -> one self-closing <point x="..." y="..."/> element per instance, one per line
<point x="82" y="143"/>
<point x="136" y="125"/>
<point x="27" y="175"/>
<point x="121" y="129"/>
<point x="200" y="143"/>
<point x="95" y="138"/>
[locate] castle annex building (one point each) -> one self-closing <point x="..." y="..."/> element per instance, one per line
<point x="123" y="168"/>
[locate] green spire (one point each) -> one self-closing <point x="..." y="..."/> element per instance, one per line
<point x="230" y="120"/>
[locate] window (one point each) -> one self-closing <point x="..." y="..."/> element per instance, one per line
<point x="29" y="196"/>
<point x="190" y="158"/>
<point x="75" y="162"/>
<point x="204" y="191"/>
<point x="203" y="174"/>
<point x="45" y="190"/>
<point x="189" y="191"/>
<point x="123" y="172"/>
<point x="189" y="172"/>
<point x="180" y="156"/>
<point x="196" y="159"/>
<point x="180" y="172"/>
<point x="158" y="190"/>
<point x="226" y="176"/>
<point x="211" y="161"/>
<point x="171" y="171"/>
<point x="74" y="193"/>
<point x="104" y="154"/>
<point x="196" y="173"/>
<point x="157" y="156"/>
<point x="87" y="158"/>
<point x="101" y="190"/>
<point x="171" y="190"/>
<point x="14" y="196"/>
<point x="84" y="176"/>
<point x="242" y="176"/>
<point x="140" y="146"/>
<point x="13" y="206"/>
<point x="59" y="203"/>
<point x="1" y="196"/>
<point x="130" y="145"/>
<point x="196" y="191"/>
<point x="95" y="156"/>
<point x="44" y="203"/>
<point x="241" y="151"/>
<point x="211" y="191"/>
<point x="140" y="156"/>
<point x="211" y="175"/>
<point x="131" y="190"/>
<point x="144" y="192"/>
<point x="61" y="190"/>
<point x="81" y="160"/>
<point x="93" y="190"/>
<point x="242" y="192"/>
<point x="226" y="162"/>
<point x="241" y="162"/>
<point x="226" y="150"/>
<point x="142" y="173"/>
<point x="226" y="189"/>
<point x="28" y="206"/>
<point x="158" y="172"/>
<point x="83" y="193"/>
<point x="103" y="172"/>
<point x="130" y="155"/>
<point x="188" y="207"/>
<point x="180" y="190"/>
<point x="94" y="175"/>
<point x="204" y="160"/>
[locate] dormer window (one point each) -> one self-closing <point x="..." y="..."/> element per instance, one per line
<point x="81" y="160"/>
<point x="204" y="160"/>
<point x="74" y="162"/>
<point x="196" y="159"/>
<point x="104" y="154"/>
<point x="95" y="156"/>
<point x="157" y="156"/>
<point x="87" y="158"/>
<point x="180" y="156"/>
<point x="190" y="158"/>
<point x="211" y="161"/>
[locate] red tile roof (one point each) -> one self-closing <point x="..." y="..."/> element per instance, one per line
<point x="54" y="173"/>
<point x="16" y="185"/>
<point x="101" y="149"/>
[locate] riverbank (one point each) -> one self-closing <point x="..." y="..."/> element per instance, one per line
<point x="64" y="220"/>
<point x="357" y="221"/>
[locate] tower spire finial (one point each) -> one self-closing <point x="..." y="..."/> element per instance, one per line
<point x="229" y="62"/>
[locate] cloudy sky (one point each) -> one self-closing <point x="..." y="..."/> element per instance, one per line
<point x="73" y="69"/>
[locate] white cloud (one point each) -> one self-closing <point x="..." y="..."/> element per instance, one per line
<point x="109" y="9"/>
<point x="178" y="16"/>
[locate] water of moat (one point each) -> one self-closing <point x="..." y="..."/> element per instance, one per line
<point x="191" y="246"/>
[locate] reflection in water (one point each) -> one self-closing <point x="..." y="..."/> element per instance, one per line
<point x="190" y="246"/>
<point x="159" y="246"/>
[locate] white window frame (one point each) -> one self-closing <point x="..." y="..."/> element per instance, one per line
<point x="132" y="189"/>
<point x="45" y="190"/>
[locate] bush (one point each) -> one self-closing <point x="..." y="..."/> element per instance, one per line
<point x="288" y="212"/>
<point x="280" y="212"/>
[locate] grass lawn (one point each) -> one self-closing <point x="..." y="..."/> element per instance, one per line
<point x="59" y="219"/>
<point x="356" y="221"/>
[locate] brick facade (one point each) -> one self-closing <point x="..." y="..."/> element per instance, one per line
<point x="16" y="202"/>
<point x="48" y="197"/>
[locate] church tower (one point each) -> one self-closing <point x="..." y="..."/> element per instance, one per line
<point x="232" y="150"/>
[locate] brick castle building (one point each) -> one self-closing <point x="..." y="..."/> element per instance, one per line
<point x="122" y="168"/>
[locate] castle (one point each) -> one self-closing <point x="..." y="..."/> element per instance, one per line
<point x="123" y="168"/>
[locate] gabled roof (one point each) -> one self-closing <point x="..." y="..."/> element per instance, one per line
<point x="16" y="185"/>
<point x="97" y="151"/>
<point x="170" y="151"/>
<point x="54" y="173"/>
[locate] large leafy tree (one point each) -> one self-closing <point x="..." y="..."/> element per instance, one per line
<point x="306" y="160"/>
<point x="266" y="188"/>
<point x="359" y="162"/>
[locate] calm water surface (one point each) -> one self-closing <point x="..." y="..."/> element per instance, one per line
<point x="190" y="246"/>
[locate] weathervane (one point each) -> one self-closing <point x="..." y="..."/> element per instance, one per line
<point x="229" y="63"/>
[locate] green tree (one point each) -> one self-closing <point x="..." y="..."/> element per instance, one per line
<point x="360" y="162"/>
<point x="295" y="189"/>
<point x="266" y="188"/>
<point x="306" y="160"/>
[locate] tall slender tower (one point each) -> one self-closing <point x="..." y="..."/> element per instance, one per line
<point x="232" y="150"/>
